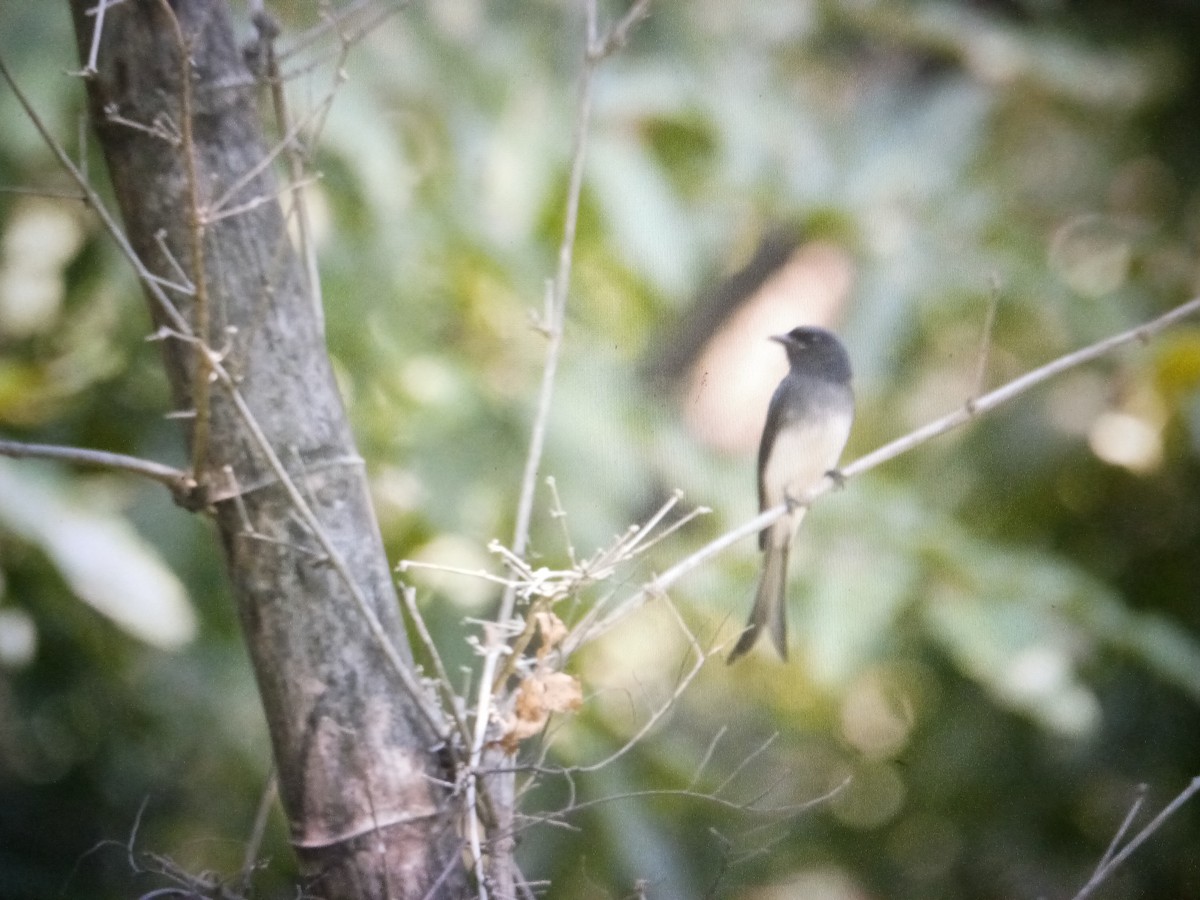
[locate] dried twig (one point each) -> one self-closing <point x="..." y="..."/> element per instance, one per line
<point x="555" y="313"/>
<point x="201" y="377"/>
<point x="1110" y="861"/>
<point x="886" y="453"/>
<point x="985" y="341"/>
<point x="181" y="483"/>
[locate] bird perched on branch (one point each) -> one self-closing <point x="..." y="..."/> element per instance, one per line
<point x="808" y="423"/>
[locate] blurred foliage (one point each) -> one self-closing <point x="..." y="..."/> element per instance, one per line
<point x="996" y="635"/>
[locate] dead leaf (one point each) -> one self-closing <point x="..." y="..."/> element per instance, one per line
<point x="539" y="695"/>
<point x="552" y="630"/>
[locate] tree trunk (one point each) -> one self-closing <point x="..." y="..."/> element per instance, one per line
<point x="356" y="758"/>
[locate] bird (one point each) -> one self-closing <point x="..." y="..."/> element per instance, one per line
<point x="808" y="424"/>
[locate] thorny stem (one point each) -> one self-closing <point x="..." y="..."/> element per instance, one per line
<point x="202" y="377"/>
<point x="268" y="29"/>
<point x="94" y="51"/>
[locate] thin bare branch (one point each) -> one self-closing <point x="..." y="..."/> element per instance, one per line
<point x="268" y="30"/>
<point x="201" y="380"/>
<point x="1138" y="800"/>
<point x="254" y="844"/>
<point x="707" y="798"/>
<point x="43" y="192"/>
<point x="700" y="658"/>
<point x="176" y="479"/>
<point x="449" y="698"/>
<point x="619" y="34"/>
<point x="762" y="748"/>
<point x="707" y="758"/>
<point x="1012" y="390"/>
<point x="886" y="453"/>
<point x="339" y="21"/>
<point x="985" y="341"/>
<point x="555" y="315"/>
<point x="560" y="515"/>
<point x="1103" y="871"/>
<point x="102" y="6"/>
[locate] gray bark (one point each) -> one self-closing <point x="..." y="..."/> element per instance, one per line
<point x="354" y="756"/>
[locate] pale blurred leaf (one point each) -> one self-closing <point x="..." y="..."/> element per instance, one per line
<point x="105" y="562"/>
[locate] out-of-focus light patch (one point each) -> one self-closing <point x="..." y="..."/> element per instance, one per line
<point x="18" y="638"/>
<point x="1091" y="254"/>
<point x="732" y="381"/>
<point x="42" y="237"/>
<point x="514" y="179"/>
<point x="641" y="650"/>
<point x="873" y="797"/>
<point x="430" y="380"/>
<point x="1037" y="671"/>
<point x="875" y="718"/>
<point x="459" y="19"/>
<point x="457" y="573"/>
<point x="1075" y="400"/>
<point x="1126" y="440"/>
<point x="1041" y="679"/>
<point x="993" y="56"/>
<point x="1073" y="711"/>
<point x="814" y="884"/>
<point x="396" y="492"/>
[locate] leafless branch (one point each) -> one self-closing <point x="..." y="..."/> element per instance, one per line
<point x="179" y="481"/>
<point x="708" y="798"/>
<point x="699" y="658"/>
<point x="707" y="757"/>
<point x="42" y="192"/>
<point x="449" y="699"/>
<point x="618" y="35"/>
<point x="886" y="453"/>
<point x="351" y="22"/>
<point x="254" y="844"/>
<point x="201" y="380"/>
<point x="1110" y="861"/>
<point x="102" y="6"/>
<point x="985" y="341"/>
<point x="268" y="29"/>
<point x="553" y="326"/>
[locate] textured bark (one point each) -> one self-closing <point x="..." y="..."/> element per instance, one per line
<point x="353" y="753"/>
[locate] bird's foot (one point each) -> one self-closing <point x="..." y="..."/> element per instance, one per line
<point x="836" y="476"/>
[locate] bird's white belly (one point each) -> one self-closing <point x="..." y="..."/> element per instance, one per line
<point x="801" y="455"/>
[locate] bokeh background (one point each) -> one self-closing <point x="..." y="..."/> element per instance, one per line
<point x="996" y="637"/>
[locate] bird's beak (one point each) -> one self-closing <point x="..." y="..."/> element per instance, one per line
<point x="781" y="338"/>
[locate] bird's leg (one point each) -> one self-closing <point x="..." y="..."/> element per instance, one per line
<point x="836" y="476"/>
<point x="793" y="503"/>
